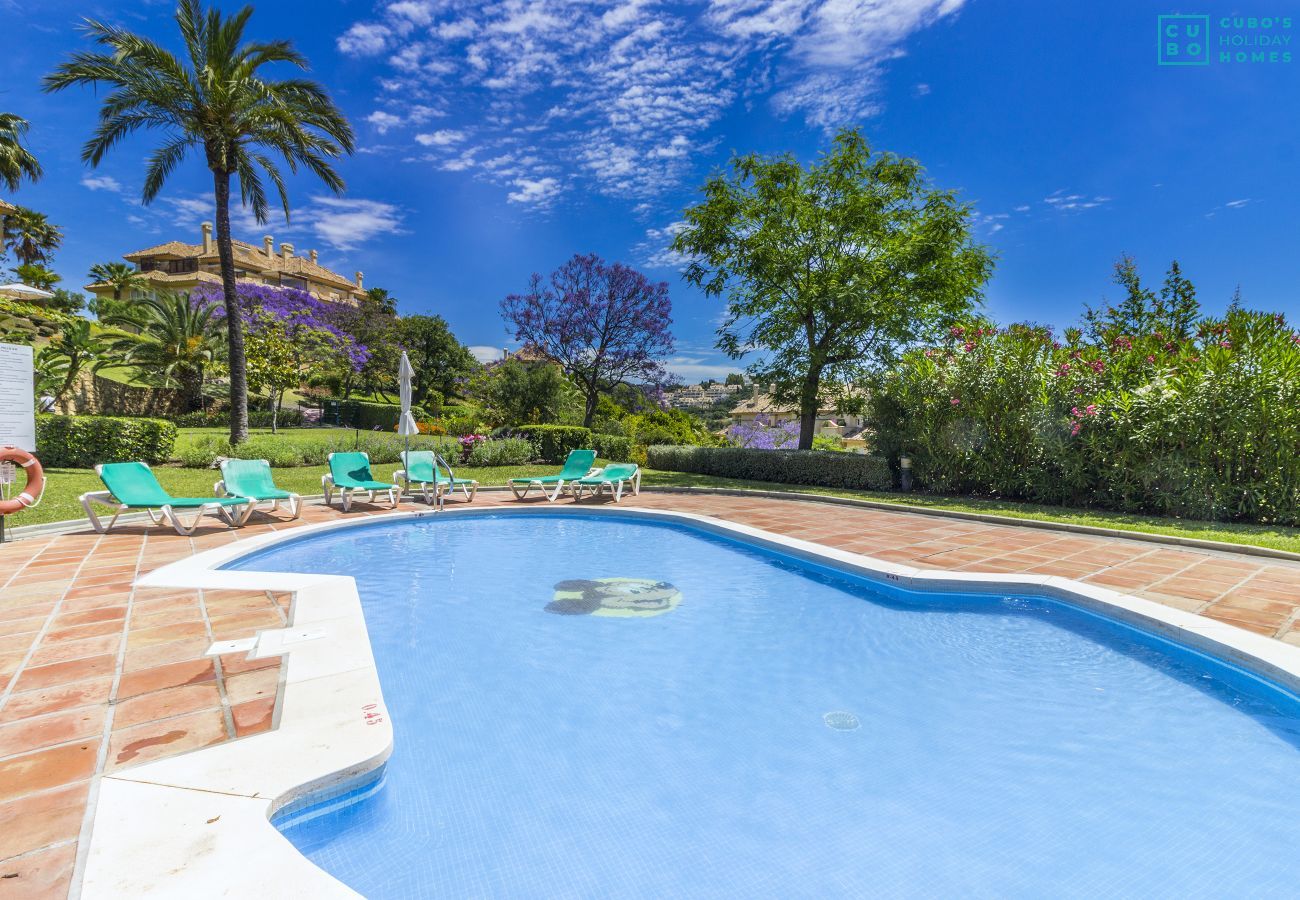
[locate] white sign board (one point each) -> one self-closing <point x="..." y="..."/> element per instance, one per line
<point x="17" y="402"/>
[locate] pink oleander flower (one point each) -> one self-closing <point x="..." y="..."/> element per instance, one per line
<point x="1074" y="429"/>
<point x="1225" y="343"/>
<point x="968" y="346"/>
<point x="955" y="402"/>
<point x="1090" y="409"/>
<point x="1063" y="370"/>
<point x="929" y="353"/>
<point x="1151" y="359"/>
<point x="1098" y="366"/>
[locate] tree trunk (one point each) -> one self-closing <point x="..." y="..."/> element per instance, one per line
<point x="808" y="403"/>
<point x="593" y="397"/>
<point x="276" y="396"/>
<point x="234" y="323"/>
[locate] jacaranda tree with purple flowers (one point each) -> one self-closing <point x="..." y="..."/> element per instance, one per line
<point x="605" y="324"/>
<point x="291" y="335"/>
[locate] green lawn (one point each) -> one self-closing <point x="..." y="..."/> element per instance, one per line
<point x="65" y="485"/>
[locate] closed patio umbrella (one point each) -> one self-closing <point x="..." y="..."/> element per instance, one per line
<point x="406" y="425"/>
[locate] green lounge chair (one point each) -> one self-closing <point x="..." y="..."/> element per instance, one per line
<point x="576" y="466"/>
<point x="252" y="480"/>
<point x="350" y="474"/>
<point x="613" y="476"/>
<point x="422" y="470"/>
<point x="133" y="485"/>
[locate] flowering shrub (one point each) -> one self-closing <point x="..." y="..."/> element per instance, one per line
<point x="1203" y="423"/>
<point x="467" y="444"/>
<point x="762" y="434"/>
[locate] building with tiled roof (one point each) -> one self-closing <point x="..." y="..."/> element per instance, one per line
<point x="180" y="267"/>
<point x="850" y="427"/>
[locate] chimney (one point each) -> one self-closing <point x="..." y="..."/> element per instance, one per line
<point x="286" y="252"/>
<point x="207" y="237"/>
<point x="313" y="255"/>
<point x="360" y="278"/>
<point x="268" y="246"/>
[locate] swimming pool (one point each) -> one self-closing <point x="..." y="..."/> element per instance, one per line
<point x="590" y="706"/>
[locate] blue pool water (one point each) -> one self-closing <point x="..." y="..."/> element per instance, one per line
<point x="739" y="724"/>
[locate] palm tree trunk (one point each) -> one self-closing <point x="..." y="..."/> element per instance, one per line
<point x="234" y="324"/>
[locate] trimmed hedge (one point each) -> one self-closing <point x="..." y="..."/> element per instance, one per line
<point x="368" y="416"/>
<point x="285" y="451"/>
<point x="79" y="442"/>
<point x="257" y="418"/>
<point x="822" y="468"/>
<point x="552" y="443"/>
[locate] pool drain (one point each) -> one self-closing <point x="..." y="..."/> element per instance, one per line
<point x="841" y="721"/>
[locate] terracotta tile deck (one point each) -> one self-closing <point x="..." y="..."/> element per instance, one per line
<point x="96" y="674"/>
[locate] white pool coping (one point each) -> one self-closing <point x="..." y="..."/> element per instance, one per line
<point x="199" y="824"/>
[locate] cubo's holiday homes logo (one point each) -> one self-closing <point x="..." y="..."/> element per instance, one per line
<point x="1229" y="40"/>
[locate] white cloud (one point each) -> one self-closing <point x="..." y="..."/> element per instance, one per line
<point x="346" y="223"/>
<point x="364" y="39"/>
<point x="484" y="353"/>
<point x="656" y="252"/>
<point x="623" y="93"/>
<point x="101" y="183"/>
<point x="1231" y="204"/>
<point x="1060" y="200"/>
<point x="383" y="121"/>
<point x="534" y="192"/>
<point x="441" y="138"/>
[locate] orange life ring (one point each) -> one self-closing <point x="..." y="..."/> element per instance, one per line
<point x="35" y="486"/>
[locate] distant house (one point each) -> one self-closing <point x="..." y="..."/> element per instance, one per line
<point x="177" y="266"/>
<point x="696" y="396"/>
<point x="848" y="427"/>
<point x="6" y="209"/>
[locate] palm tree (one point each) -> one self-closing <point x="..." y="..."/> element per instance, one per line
<point x="16" y="161"/>
<point x="30" y="236"/>
<point x="177" y="344"/>
<point x="213" y="100"/>
<point x="121" y="276"/>
<point x="37" y="275"/>
<point x="67" y="355"/>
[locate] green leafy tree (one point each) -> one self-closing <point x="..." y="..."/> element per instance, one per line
<point x="30" y="236"/>
<point x="440" y="361"/>
<point x="214" y="100"/>
<point x="16" y="161"/>
<point x="1172" y="313"/>
<point x="274" y="366"/>
<point x="176" y="346"/>
<point x="735" y="378"/>
<point x="515" y="392"/>
<point x="372" y="323"/>
<point x="829" y="270"/>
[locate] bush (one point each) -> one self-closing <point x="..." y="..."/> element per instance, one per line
<point x="814" y="467"/>
<point x="501" y="452"/>
<point x="612" y="447"/>
<point x="284" y="451"/>
<point x="460" y="424"/>
<point x="1204" y="425"/>
<point x="79" y="442"/>
<point x="552" y="443"/>
<point x="257" y="418"/>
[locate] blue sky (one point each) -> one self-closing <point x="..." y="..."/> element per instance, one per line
<point x="499" y="138"/>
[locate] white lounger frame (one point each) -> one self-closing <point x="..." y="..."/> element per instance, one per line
<point x="468" y="486"/>
<point x="541" y="486"/>
<point x="166" y="513"/>
<point x="294" y="501"/>
<point x="615" y="487"/>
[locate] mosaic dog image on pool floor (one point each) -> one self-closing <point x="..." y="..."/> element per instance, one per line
<point x="613" y="597"/>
